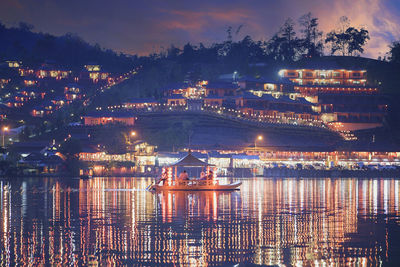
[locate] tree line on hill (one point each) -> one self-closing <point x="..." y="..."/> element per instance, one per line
<point x="247" y="56"/>
<point x="69" y="51"/>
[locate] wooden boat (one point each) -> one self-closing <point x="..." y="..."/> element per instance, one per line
<point x="195" y="185"/>
<point x="190" y="185"/>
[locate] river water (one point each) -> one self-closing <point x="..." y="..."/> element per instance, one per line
<point x="114" y="221"/>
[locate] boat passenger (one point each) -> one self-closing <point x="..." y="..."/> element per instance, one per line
<point x="203" y="176"/>
<point x="210" y="175"/>
<point x="184" y="176"/>
<point x="163" y="178"/>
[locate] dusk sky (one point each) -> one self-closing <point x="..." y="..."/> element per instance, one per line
<point x="140" y="27"/>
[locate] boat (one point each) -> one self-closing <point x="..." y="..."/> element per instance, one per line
<point x="166" y="182"/>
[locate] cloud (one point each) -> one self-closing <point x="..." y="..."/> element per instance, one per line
<point x="145" y="26"/>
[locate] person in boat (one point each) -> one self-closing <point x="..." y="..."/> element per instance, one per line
<point x="163" y="178"/>
<point x="203" y="176"/>
<point x="210" y="175"/>
<point x="184" y="176"/>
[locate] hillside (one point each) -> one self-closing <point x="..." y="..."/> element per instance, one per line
<point x="68" y="51"/>
<point x="205" y="131"/>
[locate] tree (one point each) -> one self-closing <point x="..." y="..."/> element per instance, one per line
<point x="358" y="39"/>
<point x="311" y="39"/>
<point x="394" y="53"/>
<point x="284" y="45"/>
<point x="346" y="40"/>
<point x="71" y="148"/>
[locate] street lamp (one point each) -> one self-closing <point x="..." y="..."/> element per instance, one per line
<point x="5" y="129"/>
<point x="132" y="134"/>
<point x="259" y="138"/>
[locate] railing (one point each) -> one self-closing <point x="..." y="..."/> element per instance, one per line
<point x="192" y="183"/>
<point x="225" y="113"/>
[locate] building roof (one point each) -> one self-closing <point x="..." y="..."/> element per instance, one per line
<point x="222" y="85"/>
<point x="244" y="156"/>
<point x="214" y="97"/>
<point x="176" y="96"/>
<point x="175" y="86"/>
<point x="190" y="161"/>
<point x="90" y="149"/>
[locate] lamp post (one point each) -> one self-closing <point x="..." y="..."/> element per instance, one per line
<point x="259" y="138"/>
<point x="5" y="129"/>
<point x="131" y="134"/>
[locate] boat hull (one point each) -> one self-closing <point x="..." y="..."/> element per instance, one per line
<point x="197" y="187"/>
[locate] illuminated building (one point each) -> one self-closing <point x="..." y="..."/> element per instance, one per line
<point x="214" y="100"/>
<point x="176" y="100"/>
<point x="92" y="67"/>
<point x="48" y="70"/>
<point x="352" y="112"/>
<point x="94" y="73"/>
<point x="73" y="91"/>
<point x="283" y="106"/>
<point x="221" y="89"/>
<point x="3" y="82"/>
<point x="13" y="63"/>
<point x="104" y="118"/>
<point x="335" y="77"/>
<point x="33" y="92"/>
<point x="138" y="103"/>
<point x="30" y="82"/>
<point x="342" y="96"/>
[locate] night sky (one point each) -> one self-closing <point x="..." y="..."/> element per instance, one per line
<point x="140" y="27"/>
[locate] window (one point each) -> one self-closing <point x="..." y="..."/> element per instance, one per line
<point x="356" y="74"/>
<point x="309" y="74"/>
<point x="336" y="74"/>
<point x="291" y="73"/>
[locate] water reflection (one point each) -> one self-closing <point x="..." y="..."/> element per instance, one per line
<point x="269" y="221"/>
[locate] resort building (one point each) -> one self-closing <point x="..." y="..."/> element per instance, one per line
<point x="138" y="103"/>
<point x="94" y="73"/>
<point x="213" y="100"/>
<point x="104" y="118"/>
<point x="336" y="77"/>
<point x="13" y="63"/>
<point x="176" y="100"/>
<point x="221" y="89"/>
<point x="73" y="91"/>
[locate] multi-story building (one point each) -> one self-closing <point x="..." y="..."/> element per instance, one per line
<point x="313" y="81"/>
<point x="343" y="97"/>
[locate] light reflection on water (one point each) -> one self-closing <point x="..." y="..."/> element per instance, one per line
<point x="269" y="221"/>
